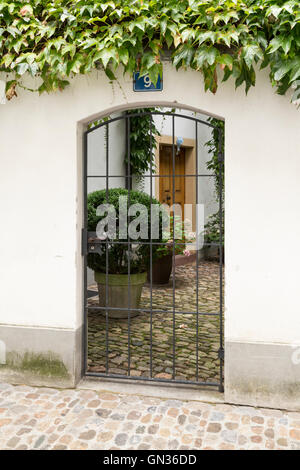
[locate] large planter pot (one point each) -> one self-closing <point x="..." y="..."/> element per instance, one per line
<point x="118" y="293"/>
<point x="212" y="253"/>
<point x="161" y="270"/>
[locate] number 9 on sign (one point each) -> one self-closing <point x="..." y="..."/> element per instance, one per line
<point x="147" y="81"/>
<point x="144" y="83"/>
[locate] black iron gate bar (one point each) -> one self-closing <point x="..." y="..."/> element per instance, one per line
<point x="106" y="253"/>
<point x="90" y="244"/>
<point x="220" y="187"/>
<point x="173" y="263"/>
<point x="151" y="254"/>
<point x="129" y="244"/>
<point x="197" y="264"/>
<point x="148" y="113"/>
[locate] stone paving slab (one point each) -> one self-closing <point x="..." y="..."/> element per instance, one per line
<point x="46" y="418"/>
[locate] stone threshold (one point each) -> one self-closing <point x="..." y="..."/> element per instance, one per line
<point x="157" y="390"/>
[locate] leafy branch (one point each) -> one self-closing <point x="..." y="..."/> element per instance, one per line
<point x="142" y="141"/>
<point x="215" y="147"/>
<point x="56" y="40"/>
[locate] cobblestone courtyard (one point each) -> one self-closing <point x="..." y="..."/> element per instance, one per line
<point x="186" y="351"/>
<point x="46" y="418"/>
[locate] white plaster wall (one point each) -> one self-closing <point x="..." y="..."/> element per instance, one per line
<point x="41" y="201"/>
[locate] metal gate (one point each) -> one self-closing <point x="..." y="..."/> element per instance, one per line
<point x="137" y="342"/>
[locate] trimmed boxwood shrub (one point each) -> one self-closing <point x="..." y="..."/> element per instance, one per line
<point x="118" y="252"/>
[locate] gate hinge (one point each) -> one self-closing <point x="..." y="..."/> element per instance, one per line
<point x="221" y="354"/>
<point x="84" y="242"/>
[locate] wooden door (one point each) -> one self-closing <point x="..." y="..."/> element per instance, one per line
<point x="166" y="176"/>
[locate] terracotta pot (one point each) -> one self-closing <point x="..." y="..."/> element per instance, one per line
<point x="161" y="270"/>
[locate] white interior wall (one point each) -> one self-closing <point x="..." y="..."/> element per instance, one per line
<point x="96" y="161"/>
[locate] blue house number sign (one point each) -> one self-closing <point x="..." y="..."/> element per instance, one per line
<point x="144" y="83"/>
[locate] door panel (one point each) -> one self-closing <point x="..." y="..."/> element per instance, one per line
<point x="166" y="179"/>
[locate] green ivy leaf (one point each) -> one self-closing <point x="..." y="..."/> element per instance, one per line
<point x="105" y="56"/>
<point x="7" y="59"/>
<point x="124" y="55"/>
<point x="74" y="65"/>
<point x="110" y="74"/>
<point x="205" y="55"/>
<point x="250" y="53"/>
<point x="184" y="55"/>
<point x="22" y="68"/>
<point x="295" y="72"/>
<point x="282" y="70"/>
<point x="206" y="35"/>
<point x="69" y="48"/>
<point x="226" y="59"/>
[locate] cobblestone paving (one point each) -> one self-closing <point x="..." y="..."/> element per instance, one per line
<point x="185" y="325"/>
<point x="44" y="418"/>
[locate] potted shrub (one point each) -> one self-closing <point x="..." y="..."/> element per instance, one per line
<point x="115" y="251"/>
<point x="212" y="237"/>
<point x="163" y="259"/>
<point x="162" y="265"/>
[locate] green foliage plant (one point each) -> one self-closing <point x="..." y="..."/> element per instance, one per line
<point x="212" y="229"/>
<point x="176" y="237"/>
<point x="216" y="166"/>
<point x="142" y="141"/>
<point x="55" y="40"/>
<point x="215" y="150"/>
<point x="117" y="247"/>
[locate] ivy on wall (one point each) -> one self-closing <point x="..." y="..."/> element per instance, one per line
<point x="215" y="147"/>
<point x="142" y="142"/>
<point x="56" y="40"/>
<point x="212" y="226"/>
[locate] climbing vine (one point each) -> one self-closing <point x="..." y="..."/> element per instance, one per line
<point x="57" y="39"/>
<point x="216" y="166"/>
<point x="215" y="148"/>
<point x="142" y="141"/>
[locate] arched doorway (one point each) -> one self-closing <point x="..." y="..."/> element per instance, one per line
<point x="154" y="295"/>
